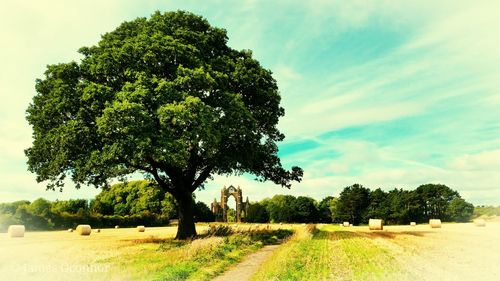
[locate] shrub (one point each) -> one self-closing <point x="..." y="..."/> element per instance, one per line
<point x="219" y="230"/>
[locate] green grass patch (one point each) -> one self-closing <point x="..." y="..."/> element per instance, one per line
<point x="330" y="253"/>
<point x="199" y="259"/>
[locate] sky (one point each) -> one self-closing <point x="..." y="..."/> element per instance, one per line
<point x="382" y="93"/>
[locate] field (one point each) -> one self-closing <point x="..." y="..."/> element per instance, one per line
<point x="454" y="252"/>
<point x="331" y="252"/>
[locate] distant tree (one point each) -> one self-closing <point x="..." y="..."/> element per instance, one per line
<point x="398" y="211"/>
<point x="120" y="209"/>
<point x="11" y="208"/>
<point x="353" y="202"/>
<point x="378" y="207"/>
<point x="169" y="207"/>
<point x="434" y="200"/>
<point x="231" y="215"/>
<point x="280" y="208"/>
<point x="203" y="213"/>
<point x="166" y="97"/>
<point x="304" y="210"/>
<point x="69" y="206"/>
<point x="32" y="221"/>
<point x="134" y="198"/>
<point x="334" y="205"/>
<point x="486" y="211"/>
<point x="324" y="211"/>
<point x="40" y="207"/>
<point x="144" y="196"/>
<point x="413" y="204"/>
<point x="459" y="210"/>
<point x="257" y="213"/>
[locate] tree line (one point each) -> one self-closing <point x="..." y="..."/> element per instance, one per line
<point x="142" y="202"/>
<point x="124" y="204"/>
<point x="486" y="211"/>
<point x="357" y="204"/>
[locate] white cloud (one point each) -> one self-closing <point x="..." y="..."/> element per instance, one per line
<point x="286" y="74"/>
<point x="314" y="123"/>
<point x="484" y="161"/>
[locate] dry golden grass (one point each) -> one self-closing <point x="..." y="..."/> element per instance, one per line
<point x="116" y="254"/>
<point x="61" y="255"/>
<point x="202" y="245"/>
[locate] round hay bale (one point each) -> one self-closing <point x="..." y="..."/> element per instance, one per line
<point x="83" y="229"/>
<point x="346" y="224"/>
<point x="141" y="228"/>
<point x="16" y="230"/>
<point x="480" y="222"/>
<point x="98" y="230"/>
<point x="117" y="226"/>
<point x="340" y="224"/>
<point x="376" y="224"/>
<point x="351" y="225"/>
<point x="413" y="223"/>
<point x="70" y="229"/>
<point x="435" y="223"/>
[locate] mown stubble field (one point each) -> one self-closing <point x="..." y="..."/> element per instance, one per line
<point x="454" y="252"/>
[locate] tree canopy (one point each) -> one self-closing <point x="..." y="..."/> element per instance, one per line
<point x="353" y="201"/>
<point x="164" y="96"/>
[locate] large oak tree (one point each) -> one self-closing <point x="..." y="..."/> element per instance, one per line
<point x="164" y="96"/>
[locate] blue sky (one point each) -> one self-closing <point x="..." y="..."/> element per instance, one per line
<point x="383" y="93"/>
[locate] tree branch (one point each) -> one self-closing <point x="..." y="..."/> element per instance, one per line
<point x="202" y="177"/>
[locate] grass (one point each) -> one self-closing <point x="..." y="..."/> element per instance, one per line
<point x="200" y="259"/>
<point x="330" y="253"/>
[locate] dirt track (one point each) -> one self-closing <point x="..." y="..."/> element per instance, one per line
<point x="244" y="270"/>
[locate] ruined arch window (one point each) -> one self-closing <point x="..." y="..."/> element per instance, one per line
<point x="220" y="208"/>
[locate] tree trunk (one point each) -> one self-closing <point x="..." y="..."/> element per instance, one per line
<point x="186" y="228"/>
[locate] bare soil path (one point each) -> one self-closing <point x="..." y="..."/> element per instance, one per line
<point x="245" y="269"/>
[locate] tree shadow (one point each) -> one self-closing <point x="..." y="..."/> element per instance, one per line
<point x="377" y="234"/>
<point x="151" y="240"/>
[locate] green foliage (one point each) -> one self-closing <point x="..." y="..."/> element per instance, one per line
<point x="135" y="197"/>
<point x="334" y="204"/>
<point x="459" y="210"/>
<point x="486" y="211"/>
<point x="219" y="230"/>
<point x="231" y="215"/>
<point x="353" y="202"/>
<point x="400" y="206"/>
<point x="163" y="96"/>
<point x="396" y="207"/>
<point x="70" y="206"/>
<point x="434" y="200"/>
<point x="11" y="208"/>
<point x="358" y="204"/>
<point x="40" y="207"/>
<point x="203" y="213"/>
<point x="280" y="208"/>
<point x="305" y="210"/>
<point x="324" y="210"/>
<point x="131" y="204"/>
<point x="378" y="207"/>
<point x="257" y="213"/>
